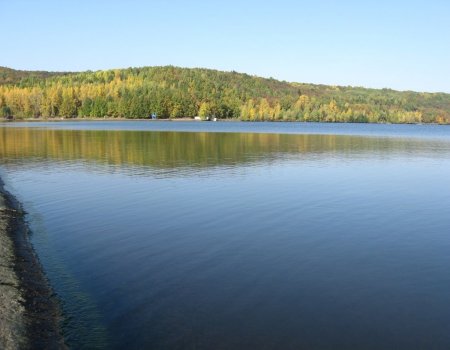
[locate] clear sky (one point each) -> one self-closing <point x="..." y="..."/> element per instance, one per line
<point x="398" y="44"/>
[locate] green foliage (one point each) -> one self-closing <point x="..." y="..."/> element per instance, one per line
<point x="205" y="110"/>
<point x="5" y="112"/>
<point x="173" y="92"/>
<point x="12" y="76"/>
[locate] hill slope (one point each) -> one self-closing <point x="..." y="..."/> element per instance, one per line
<point x="13" y="76"/>
<point x="173" y="92"/>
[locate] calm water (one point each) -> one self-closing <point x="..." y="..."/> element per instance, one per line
<point x="239" y="236"/>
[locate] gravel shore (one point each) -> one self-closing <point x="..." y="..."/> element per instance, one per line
<point x="30" y="316"/>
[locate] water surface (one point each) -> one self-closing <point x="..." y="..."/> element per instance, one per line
<point x="239" y="236"/>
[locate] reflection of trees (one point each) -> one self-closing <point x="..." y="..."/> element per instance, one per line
<point x="174" y="149"/>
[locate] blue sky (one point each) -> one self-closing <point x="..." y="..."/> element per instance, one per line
<point x="398" y="44"/>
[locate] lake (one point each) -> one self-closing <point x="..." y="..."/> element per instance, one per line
<point x="227" y="235"/>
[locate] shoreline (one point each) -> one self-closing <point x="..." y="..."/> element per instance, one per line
<point x="188" y="119"/>
<point x="30" y="314"/>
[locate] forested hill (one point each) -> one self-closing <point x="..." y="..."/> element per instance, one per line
<point x="13" y="76"/>
<point x="173" y="92"/>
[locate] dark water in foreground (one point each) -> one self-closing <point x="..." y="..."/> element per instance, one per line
<point x="220" y="239"/>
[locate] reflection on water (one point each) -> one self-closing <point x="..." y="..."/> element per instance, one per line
<point x="167" y="150"/>
<point x="173" y="240"/>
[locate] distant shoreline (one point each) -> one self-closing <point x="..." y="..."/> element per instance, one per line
<point x="188" y="119"/>
<point x="30" y="315"/>
<point x="176" y="92"/>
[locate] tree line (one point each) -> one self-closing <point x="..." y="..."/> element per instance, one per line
<point x="172" y="92"/>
